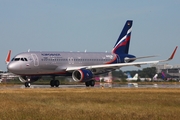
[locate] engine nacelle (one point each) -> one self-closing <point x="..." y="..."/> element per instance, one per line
<point x="29" y="78"/>
<point x="82" y="75"/>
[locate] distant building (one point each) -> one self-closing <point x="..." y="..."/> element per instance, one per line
<point x="171" y="71"/>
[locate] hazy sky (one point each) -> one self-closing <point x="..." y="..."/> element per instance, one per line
<point x="92" y="25"/>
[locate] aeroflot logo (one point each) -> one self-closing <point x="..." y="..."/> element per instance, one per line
<point x="50" y="54"/>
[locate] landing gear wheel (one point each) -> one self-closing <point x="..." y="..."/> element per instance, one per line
<point x="92" y="83"/>
<point x="87" y="83"/>
<point x="27" y="84"/>
<point x="52" y="83"/>
<point x="56" y="83"/>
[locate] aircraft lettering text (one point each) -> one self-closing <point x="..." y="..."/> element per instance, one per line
<point x="110" y="56"/>
<point x="50" y="54"/>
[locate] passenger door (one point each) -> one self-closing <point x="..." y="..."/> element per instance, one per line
<point x="35" y="59"/>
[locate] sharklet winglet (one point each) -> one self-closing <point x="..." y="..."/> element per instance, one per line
<point x="172" y="55"/>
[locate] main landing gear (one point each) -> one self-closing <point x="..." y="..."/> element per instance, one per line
<point x="90" y="83"/>
<point x="54" y="83"/>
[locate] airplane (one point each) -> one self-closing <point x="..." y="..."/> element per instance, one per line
<point x="167" y="77"/>
<point x="163" y="75"/>
<point x="155" y="77"/>
<point x="108" y="78"/>
<point x="135" y="78"/>
<point x="105" y="80"/>
<point x="82" y="66"/>
<point x="149" y="79"/>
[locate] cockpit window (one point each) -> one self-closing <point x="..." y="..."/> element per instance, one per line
<point x="12" y="59"/>
<point x="19" y="59"/>
<point x="16" y="59"/>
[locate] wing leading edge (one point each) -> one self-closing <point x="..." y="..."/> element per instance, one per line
<point x="119" y="65"/>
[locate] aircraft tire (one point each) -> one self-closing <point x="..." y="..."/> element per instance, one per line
<point x="92" y="83"/>
<point x="87" y="83"/>
<point x="56" y="83"/>
<point x="52" y="83"/>
<point x="27" y="84"/>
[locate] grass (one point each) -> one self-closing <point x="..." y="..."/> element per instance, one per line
<point x="90" y="104"/>
<point x="66" y="82"/>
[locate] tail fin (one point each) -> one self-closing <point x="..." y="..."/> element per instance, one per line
<point x="163" y="75"/>
<point x="7" y="60"/>
<point x="122" y="44"/>
<point x="155" y="76"/>
<point x="135" y="76"/>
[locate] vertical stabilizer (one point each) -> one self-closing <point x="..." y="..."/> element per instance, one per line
<point x="135" y="76"/>
<point x="122" y="44"/>
<point x="163" y="75"/>
<point x="155" y="77"/>
<point x="7" y="60"/>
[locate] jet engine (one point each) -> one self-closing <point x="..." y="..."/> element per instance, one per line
<point x="82" y="75"/>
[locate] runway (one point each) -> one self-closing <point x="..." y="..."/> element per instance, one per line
<point x="101" y="85"/>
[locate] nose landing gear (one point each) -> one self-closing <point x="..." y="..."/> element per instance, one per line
<point x="27" y="84"/>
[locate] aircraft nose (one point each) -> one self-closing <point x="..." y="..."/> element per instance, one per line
<point x="11" y="67"/>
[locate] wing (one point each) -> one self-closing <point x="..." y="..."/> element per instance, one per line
<point x="129" y="59"/>
<point x="119" y="65"/>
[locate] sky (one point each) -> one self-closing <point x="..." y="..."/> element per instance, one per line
<point x="79" y="25"/>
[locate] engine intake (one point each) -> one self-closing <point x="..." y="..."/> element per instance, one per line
<point x="82" y="75"/>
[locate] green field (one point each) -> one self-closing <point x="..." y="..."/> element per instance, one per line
<point x="90" y="104"/>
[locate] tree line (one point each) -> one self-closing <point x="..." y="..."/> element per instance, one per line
<point x="148" y="72"/>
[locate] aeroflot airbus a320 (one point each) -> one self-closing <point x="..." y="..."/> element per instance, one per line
<point x="82" y="66"/>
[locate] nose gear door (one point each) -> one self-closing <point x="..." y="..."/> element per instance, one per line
<point x="35" y="59"/>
